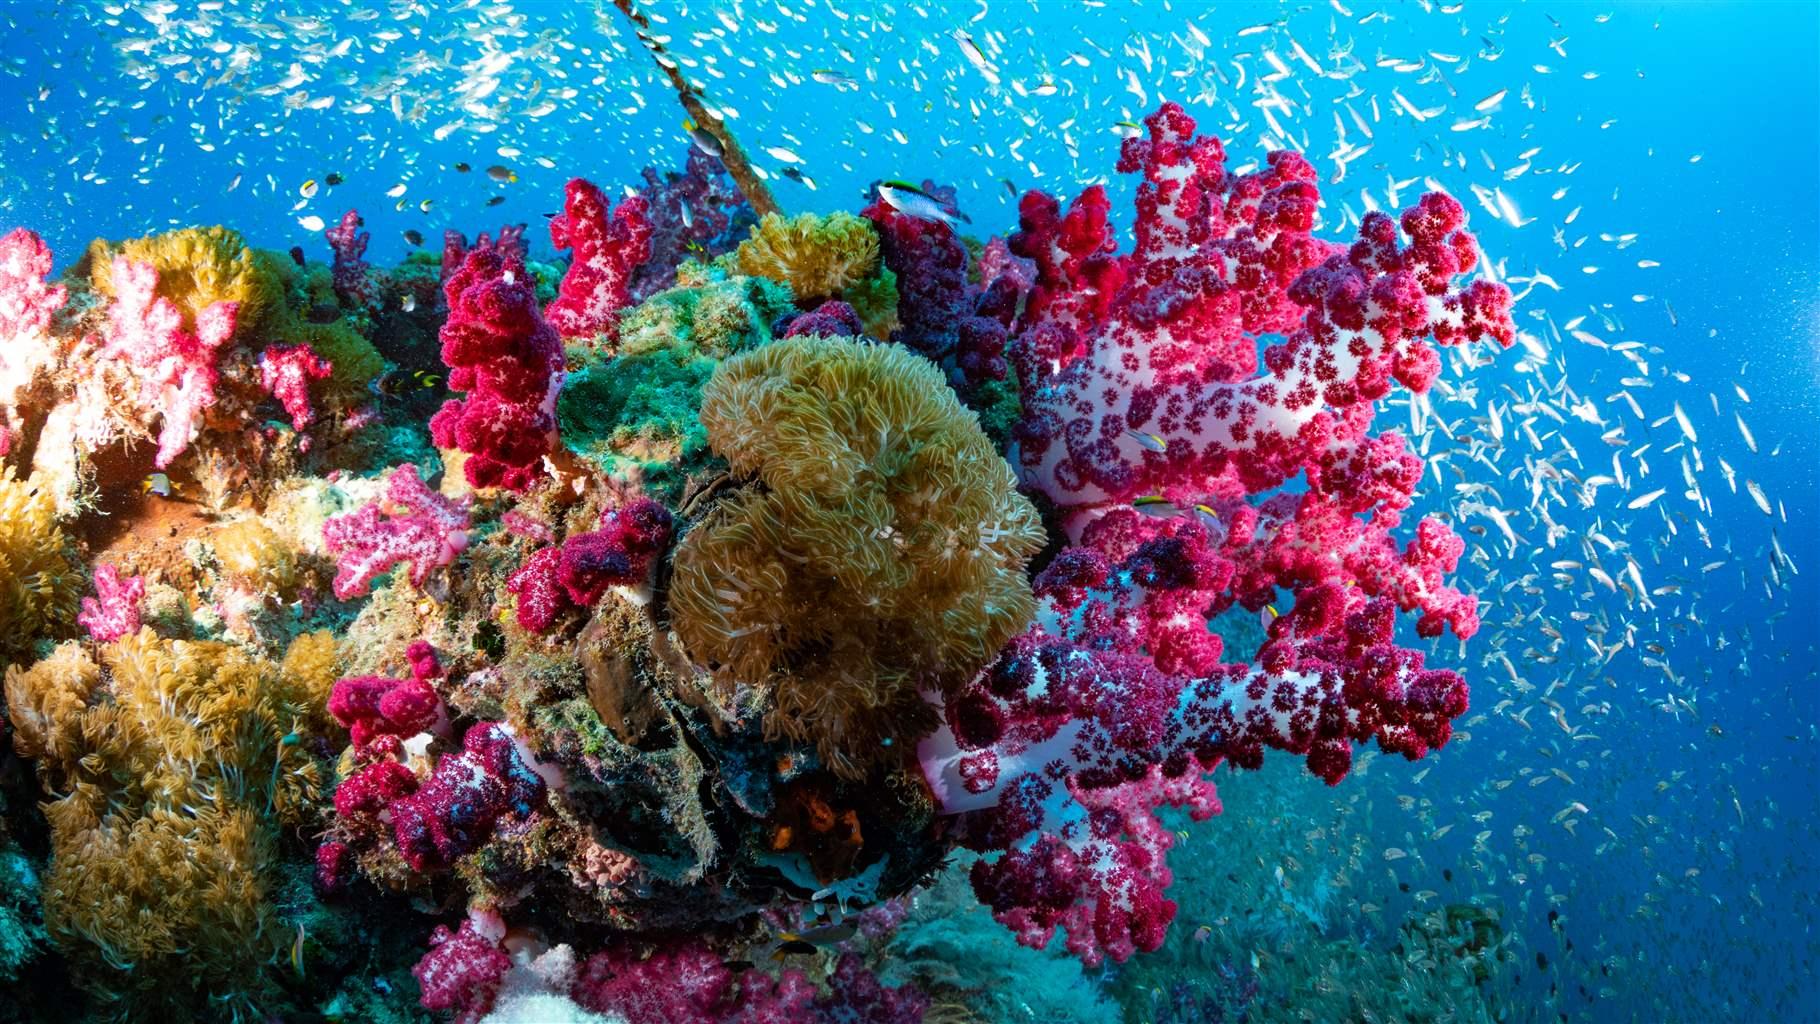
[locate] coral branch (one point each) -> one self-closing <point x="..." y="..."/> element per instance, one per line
<point x="606" y="251"/>
<point x="286" y="372"/>
<point x="411" y="524"/>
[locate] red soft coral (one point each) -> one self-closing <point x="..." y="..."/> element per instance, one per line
<point x="606" y="252"/>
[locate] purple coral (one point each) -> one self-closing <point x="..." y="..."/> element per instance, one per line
<point x="350" y="269"/>
<point x="574" y="575"/>
<point x="286" y="371"/>
<point x="831" y="319"/>
<point x="930" y="262"/>
<point x="458" y="807"/>
<point x="698" y="214"/>
<point x="114" y="610"/>
<point x="176" y="369"/>
<point x="410" y="524"/>
<point x="511" y="242"/>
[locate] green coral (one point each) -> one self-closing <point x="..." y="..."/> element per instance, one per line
<point x="633" y="412"/>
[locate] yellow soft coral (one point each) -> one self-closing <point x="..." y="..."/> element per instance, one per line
<point x="252" y="556"/>
<point x="40" y="584"/>
<point x="177" y="767"/>
<point x="879" y="553"/>
<point x="818" y="257"/>
<point x="821" y="258"/>
<point x="197" y="267"/>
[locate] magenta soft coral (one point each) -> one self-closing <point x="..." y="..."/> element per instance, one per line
<point x="410" y="524"/>
<point x="1131" y="390"/>
<point x="575" y="574"/>
<point x="689" y="984"/>
<point x="114" y="610"/>
<point x="373" y="706"/>
<point x="285" y="371"/>
<point x="1139" y="391"/>
<point x="458" y="807"/>
<point x="176" y="369"/>
<point x="456" y="810"/>
<point x="464" y="968"/>
<point x="606" y="250"/>
<point x="499" y="350"/>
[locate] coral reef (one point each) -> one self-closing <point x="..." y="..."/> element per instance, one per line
<point x="759" y="568"/>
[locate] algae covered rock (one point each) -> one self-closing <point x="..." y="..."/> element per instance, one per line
<point x="634" y="412"/>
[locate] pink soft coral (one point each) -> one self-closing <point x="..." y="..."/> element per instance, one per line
<point x="26" y="307"/>
<point x="114" y="610"/>
<point x="176" y="369"/>
<point x="410" y="524"/>
<point x="286" y="371"/>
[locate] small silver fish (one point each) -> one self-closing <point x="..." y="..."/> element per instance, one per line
<point x="911" y="201"/>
